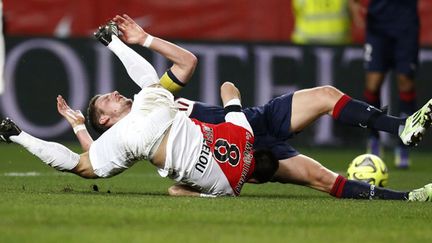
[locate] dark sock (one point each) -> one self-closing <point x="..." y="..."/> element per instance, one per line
<point x="344" y="188"/>
<point x="360" y="114"/>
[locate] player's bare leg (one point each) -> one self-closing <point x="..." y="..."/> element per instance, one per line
<point x="302" y="170"/>
<point x="310" y="104"/>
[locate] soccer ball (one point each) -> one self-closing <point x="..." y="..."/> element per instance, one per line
<point x="368" y="168"/>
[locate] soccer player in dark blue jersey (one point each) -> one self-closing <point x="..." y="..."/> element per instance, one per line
<point x="273" y="123"/>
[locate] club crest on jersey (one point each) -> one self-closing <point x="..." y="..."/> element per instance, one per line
<point x="207" y="133"/>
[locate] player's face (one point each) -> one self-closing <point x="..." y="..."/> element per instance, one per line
<point x="113" y="103"/>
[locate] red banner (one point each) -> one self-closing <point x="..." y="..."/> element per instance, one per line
<point x="239" y="20"/>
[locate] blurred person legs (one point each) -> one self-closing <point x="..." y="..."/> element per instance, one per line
<point x="407" y="106"/>
<point x="374" y="81"/>
<point x="394" y="49"/>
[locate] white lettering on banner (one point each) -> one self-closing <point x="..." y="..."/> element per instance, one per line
<point x="209" y="82"/>
<point x="324" y="76"/>
<point x="352" y="54"/>
<point x="263" y="65"/>
<point x="104" y="67"/>
<point x="265" y="89"/>
<point x="76" y="76"/>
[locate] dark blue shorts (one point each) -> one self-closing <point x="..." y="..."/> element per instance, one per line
<point x="392" y="49"/>
<point x="270" y="123"/>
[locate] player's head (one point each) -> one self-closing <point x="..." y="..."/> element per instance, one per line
<point x="105" y="110"/>
<point x="266" y="164"/>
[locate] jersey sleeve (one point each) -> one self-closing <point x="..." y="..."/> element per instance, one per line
<point x="234" y="115"/>
<point x="239" y="119"/>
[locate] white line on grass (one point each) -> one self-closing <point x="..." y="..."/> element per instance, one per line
<point x="31" y="173"/>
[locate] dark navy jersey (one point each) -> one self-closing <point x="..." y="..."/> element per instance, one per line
<point x="393" y="14"/>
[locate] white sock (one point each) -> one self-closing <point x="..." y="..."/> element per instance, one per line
<point x="52" y="154"/>
<point x="138" y="68"/>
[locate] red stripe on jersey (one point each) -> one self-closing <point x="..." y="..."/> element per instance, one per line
<point x="182" y="103"/>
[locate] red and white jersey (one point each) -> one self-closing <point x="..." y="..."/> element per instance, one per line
<point x="220" y="160"/>
<point x="215" y="159"/>
<point x="232" y="149"/>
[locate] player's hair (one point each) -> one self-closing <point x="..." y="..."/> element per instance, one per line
<point x="266" y="164"/>
<point x="93" y="116"/>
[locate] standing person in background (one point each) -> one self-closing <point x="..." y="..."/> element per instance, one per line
<point x="392" y="43"/>
<point x="321" y="22"/>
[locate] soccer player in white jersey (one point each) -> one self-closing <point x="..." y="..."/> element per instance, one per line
<point x="295" y="111"/>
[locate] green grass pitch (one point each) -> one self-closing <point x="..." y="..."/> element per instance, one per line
<point x="38" y="204"/>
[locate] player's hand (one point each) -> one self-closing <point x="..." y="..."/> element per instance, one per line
<point x="132" y="33"/>
<point x="74" y="117"/>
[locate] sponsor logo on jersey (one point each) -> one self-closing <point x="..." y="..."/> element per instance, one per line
<point x="247" y="162"/>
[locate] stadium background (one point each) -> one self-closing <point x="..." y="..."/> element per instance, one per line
<point x="49" y="51"/>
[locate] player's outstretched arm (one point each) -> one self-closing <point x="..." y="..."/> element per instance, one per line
<point x="186" y="191"/>
<point x="77" y="121"/>
<point x="184" y="62"/>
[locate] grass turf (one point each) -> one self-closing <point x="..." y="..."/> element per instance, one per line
<point x="38" y="204"/>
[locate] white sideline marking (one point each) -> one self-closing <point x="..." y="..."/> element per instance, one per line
<point x="34" y="173"/>
<point x="31" y="173"/>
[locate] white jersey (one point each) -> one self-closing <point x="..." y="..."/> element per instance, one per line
<point x="186" y="149"/>
<point x="138" y="135"/>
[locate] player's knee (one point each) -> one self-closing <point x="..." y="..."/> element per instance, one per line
<point x="229" y="91"/>
<point x="329" y="92"/>
<point x="327" y="96"/>
<point x="227" y="87"/>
